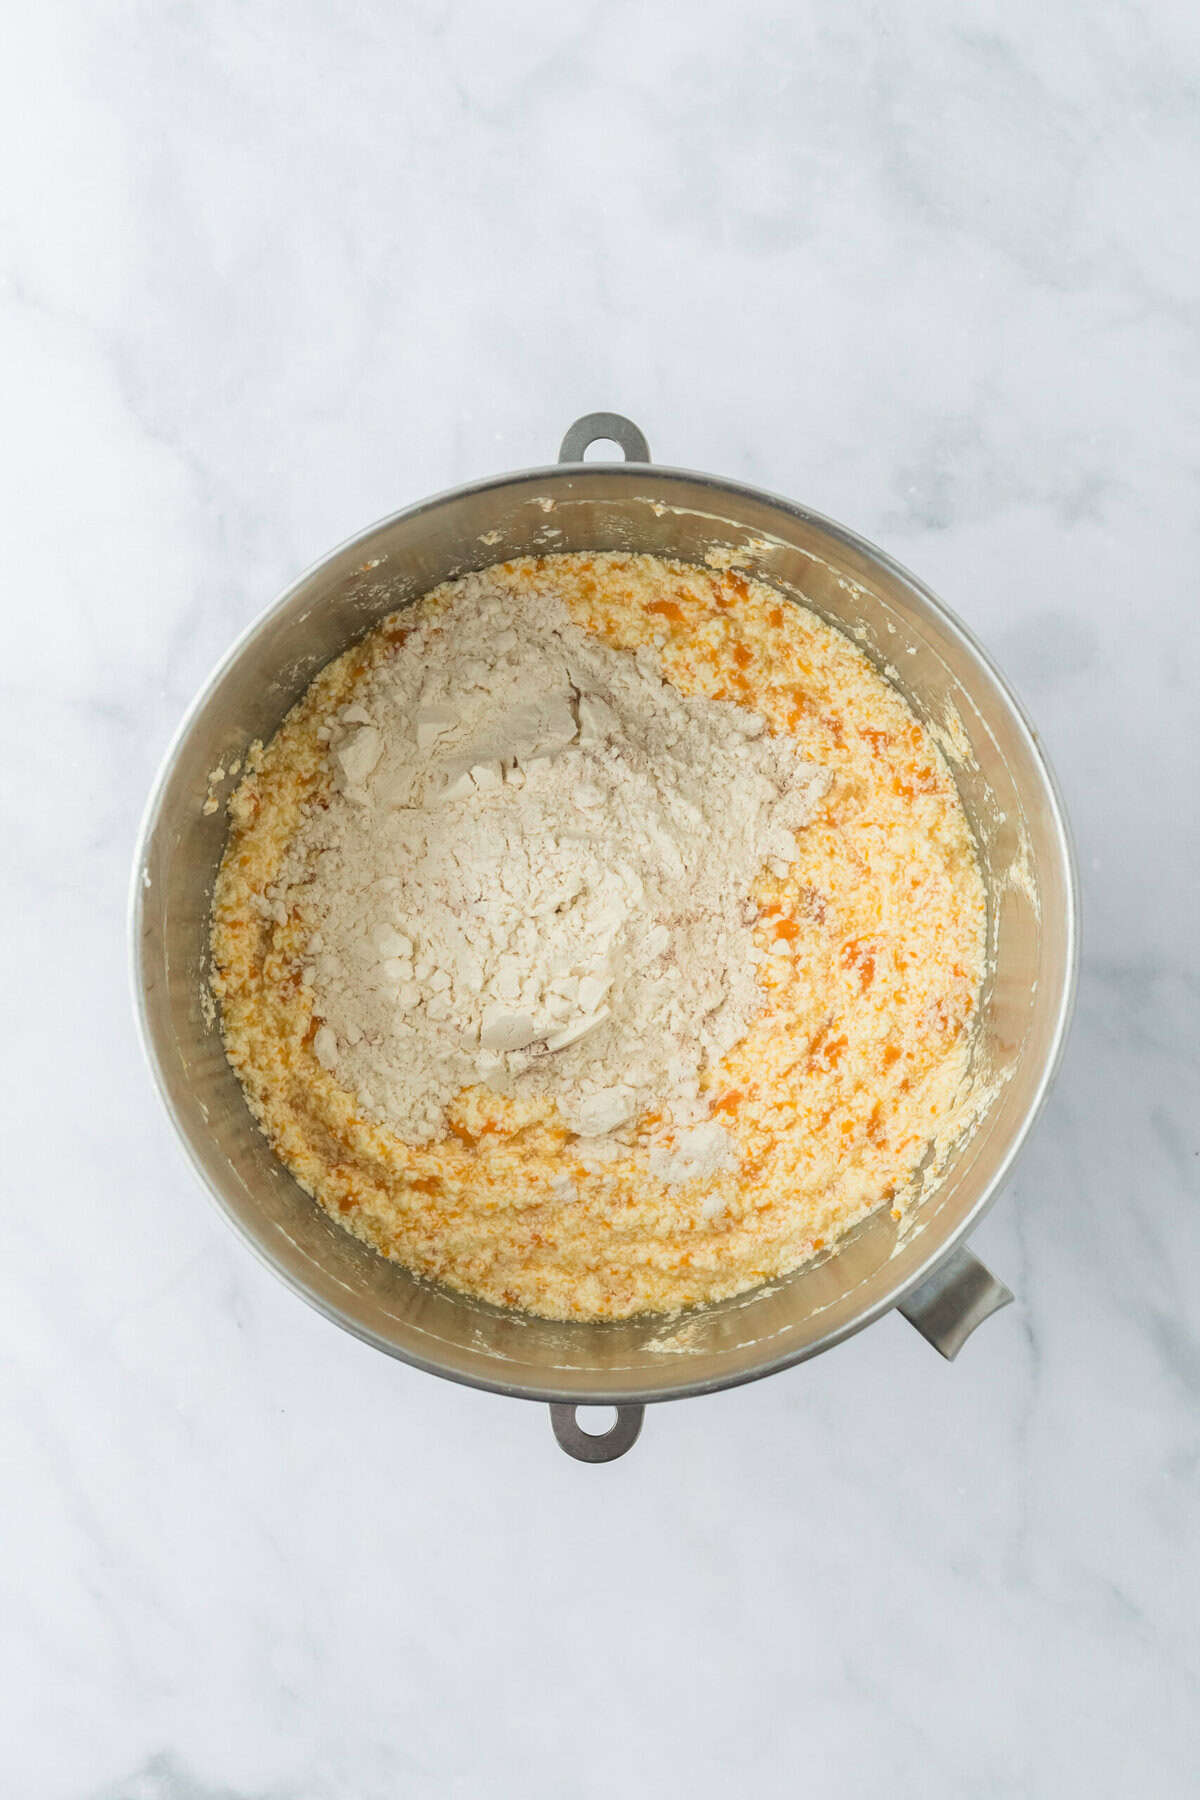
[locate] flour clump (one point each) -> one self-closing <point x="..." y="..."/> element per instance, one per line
<point x="534" y="872"/>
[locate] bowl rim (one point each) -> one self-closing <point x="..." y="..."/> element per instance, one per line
<point x="667" y="1389"/>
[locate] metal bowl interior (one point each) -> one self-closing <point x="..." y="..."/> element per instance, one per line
<point x="1005" y="785"/>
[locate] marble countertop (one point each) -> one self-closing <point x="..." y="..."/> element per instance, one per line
<point x="271" y="272"/>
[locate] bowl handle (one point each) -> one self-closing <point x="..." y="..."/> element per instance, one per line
<point x="594" y="426"/>
<point x="950" y="1303"/>
<point x="585" y="1447"/>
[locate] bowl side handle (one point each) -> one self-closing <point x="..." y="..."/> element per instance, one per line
<point x="589" y="1447"/>
<point x="948" y="1305"/>
<point x="608" y="427"/>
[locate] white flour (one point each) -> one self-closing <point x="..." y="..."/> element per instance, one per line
<point x="535" y="872"/>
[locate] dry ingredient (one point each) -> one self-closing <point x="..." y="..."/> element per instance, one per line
<point x="534" y="872"/>
<point x="601" y="936"/>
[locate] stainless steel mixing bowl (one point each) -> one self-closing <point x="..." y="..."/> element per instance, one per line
<point x="920" y="1265"/>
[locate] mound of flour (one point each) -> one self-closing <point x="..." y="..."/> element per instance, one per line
<point x="534" y="873"/>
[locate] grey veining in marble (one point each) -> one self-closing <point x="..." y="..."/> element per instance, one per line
<point x="270" y="272"/>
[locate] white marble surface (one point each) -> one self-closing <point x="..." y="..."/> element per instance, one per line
<point x="270" y="271"/>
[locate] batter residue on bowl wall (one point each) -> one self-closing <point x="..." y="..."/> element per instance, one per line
<point x="601" y="936"/>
